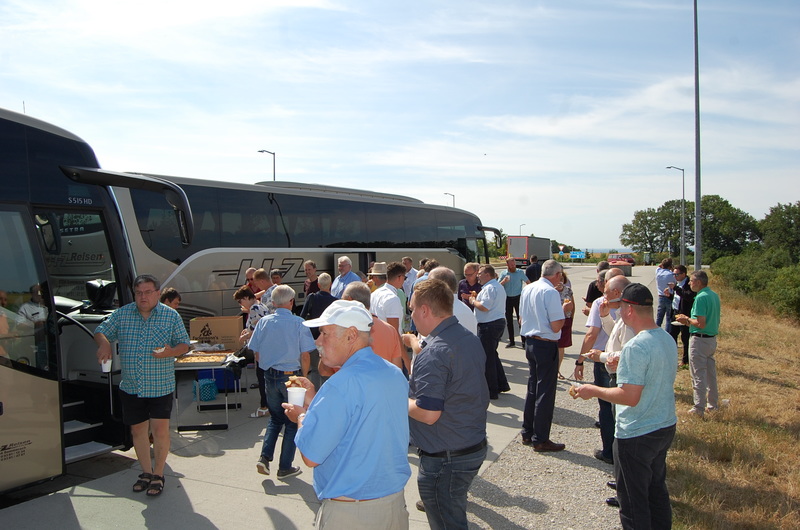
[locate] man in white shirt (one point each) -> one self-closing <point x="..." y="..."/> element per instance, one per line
<point x="385" y="301"/>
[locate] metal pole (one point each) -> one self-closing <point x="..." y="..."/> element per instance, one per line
<point x="683" y="213"/>
<point x="698" y="236"/>
<point x="273" y="161"/>
<point x="520" y="228"/>
<point x="454" y="198"/>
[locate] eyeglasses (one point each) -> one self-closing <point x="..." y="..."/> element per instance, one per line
<point x="250" y="279"/>
<point x="144" y="293"/>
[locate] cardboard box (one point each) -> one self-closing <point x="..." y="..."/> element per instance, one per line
<point x="217" y="330"/>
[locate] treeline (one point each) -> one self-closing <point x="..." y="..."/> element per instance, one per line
<point x="759" y="258"/>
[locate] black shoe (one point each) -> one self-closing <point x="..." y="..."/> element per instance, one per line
<point x="599" y="455"/>
<point x="494" y="396"/>
<point x="612" y="501"/>
<point x="510" y="345"/>
<point x="612" y="484"/>
<point x="597" y="424"/>
<point x="286" y="473"/>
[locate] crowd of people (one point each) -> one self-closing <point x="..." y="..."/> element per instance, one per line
<point x="410" y="357"/>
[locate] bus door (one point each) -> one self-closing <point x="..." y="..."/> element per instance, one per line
<point x="83" y="280"/>
<point x="30" y="411"/>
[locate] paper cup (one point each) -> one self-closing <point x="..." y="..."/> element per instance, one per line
<point x="297" y="396"/>
<point x="106" y="365"/>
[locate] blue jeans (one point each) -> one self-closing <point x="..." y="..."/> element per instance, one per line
<point x="602" y="379"/>
<point x="664" y="310"/>
<point x="443" y="485"/>
<point x="275" y="386"/>
<point x="640" y="467"/>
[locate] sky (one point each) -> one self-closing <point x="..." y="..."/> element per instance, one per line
<point x="552" y="118"/>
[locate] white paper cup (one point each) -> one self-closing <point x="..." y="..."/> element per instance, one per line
<point x="106" y="365"/>
<point x="297" y="395"/>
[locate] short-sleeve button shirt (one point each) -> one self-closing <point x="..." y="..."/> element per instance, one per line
<point x="142" y="374"/>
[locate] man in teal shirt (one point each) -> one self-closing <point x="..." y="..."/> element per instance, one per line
<point x="703" y="330"/>
<point x="513" y="280"/>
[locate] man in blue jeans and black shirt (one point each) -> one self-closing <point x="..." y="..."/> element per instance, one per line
<point x="448" y="398"/>
<point x="646" y="418"/>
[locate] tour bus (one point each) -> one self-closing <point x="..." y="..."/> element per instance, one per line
<point x="74" y="237"/>
<point x="279" y="225"/>
<point x="65" y="264"/>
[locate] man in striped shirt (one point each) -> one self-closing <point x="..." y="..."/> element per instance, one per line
<point x="150" y="336"/>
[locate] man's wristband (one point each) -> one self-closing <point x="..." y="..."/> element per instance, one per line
<point x="577" y="363"/>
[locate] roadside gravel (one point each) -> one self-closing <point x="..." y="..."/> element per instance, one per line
<point x="523" y="489"/>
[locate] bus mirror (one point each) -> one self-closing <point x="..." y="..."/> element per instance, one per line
<point x="47" y="225"/>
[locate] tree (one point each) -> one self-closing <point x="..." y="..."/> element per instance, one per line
<point x="647" y="232"/>
<point x="726" y="230"/>
<point x="781" y="229"/>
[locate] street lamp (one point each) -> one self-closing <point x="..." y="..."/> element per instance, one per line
<point x="683" y="213"/>
<point x="273" y="161"/>
<point x="454" y="198"/>
<point x="520" y="228"/>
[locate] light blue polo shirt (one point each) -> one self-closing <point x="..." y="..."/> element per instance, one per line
<point x="648" y="359"/>
<point x="515" y="283"/>
<point x="493" y="297"/>
<point x="356" y="429"/>
<point x="539" y="305"/>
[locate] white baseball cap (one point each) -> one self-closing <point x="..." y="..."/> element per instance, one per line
<point x="344" y="313"/>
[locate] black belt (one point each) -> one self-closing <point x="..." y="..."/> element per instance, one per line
<point x="536" y="337"/>
<point x="702" y="336"/>
<point x="460" y="452"/>
<point x="281" y="372"/>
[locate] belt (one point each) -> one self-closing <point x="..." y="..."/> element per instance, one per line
<point x="460" y="452"/>
<point x="281" y="372"/>
<point x="348" y="499"/>
<point x="702" y="336"/>
<point x="541" y="338"/>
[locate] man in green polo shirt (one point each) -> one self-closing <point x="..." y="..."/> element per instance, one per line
<point x="703" y="329"/>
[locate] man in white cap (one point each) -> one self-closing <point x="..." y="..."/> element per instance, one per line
<point x="354" y="431"/>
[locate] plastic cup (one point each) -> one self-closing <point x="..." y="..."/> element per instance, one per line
<point x="297" y="396"/>
<point x="106" y="365"/>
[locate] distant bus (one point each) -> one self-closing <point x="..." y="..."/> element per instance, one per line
<point x="279" y="225"/>
<point x="79" y="235"/>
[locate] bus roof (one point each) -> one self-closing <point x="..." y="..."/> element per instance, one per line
<point x="28" y="121"/>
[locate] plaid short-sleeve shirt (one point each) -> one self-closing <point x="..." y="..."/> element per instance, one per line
<point x="142" y="374"/>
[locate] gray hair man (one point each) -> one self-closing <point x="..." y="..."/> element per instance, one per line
<point x="542" y="317"/>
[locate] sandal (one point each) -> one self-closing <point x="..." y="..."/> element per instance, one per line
<point x="155" y="489"/>
<point x="561" y="376"/>
<point x="142" y="483"/>
<point x="260" y="413"/>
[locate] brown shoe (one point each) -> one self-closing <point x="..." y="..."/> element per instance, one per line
<point x="548" y="447"/>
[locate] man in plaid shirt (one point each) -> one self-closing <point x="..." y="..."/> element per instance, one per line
<point x="150" y="336"/>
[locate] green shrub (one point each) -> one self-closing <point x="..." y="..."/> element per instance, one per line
<point x="784" y="291"/>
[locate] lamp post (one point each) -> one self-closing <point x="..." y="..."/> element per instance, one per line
<point x="454" y="198"/>
<point x="698" y="235"/>
<point x="683" y="213"/>
<point x="273" y="161"/>
<point x="520" y="228"/>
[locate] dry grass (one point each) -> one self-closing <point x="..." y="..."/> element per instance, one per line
<point x="740" y="467"/>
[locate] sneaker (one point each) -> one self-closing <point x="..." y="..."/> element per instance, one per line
<point x="695" y="412"/>
<point x="262" y="466"/>
<point x="286" y="473"/>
